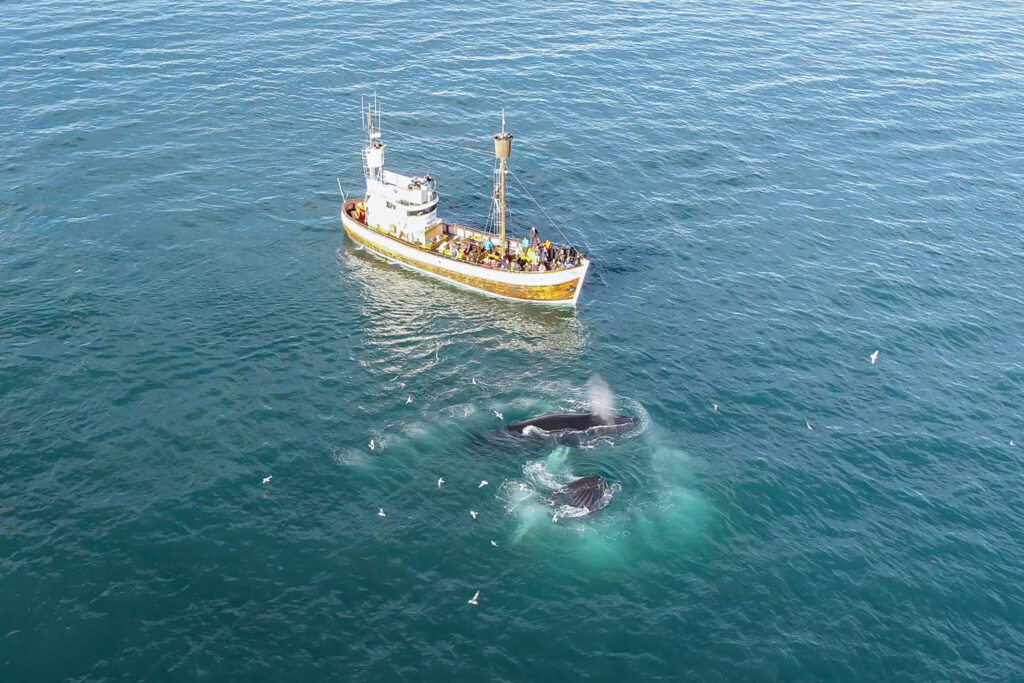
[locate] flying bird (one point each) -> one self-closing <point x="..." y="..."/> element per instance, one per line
<point x="472" y="600"/>
<point x="473" y="513"/>
<point x="874" y="357"/>
<point x="483" y="483"/>
<point x="554" y="518"/>
<point x="371" y="445"/>
<point x="1011" y="442"/>
<point x="715" y="406"/>
<point x="381" y="513"/>
<point x="266" y="480"/>
<point x="498" y="415"/>
<point x="810" y="427"/>
<point x="408" y="400"/>
<point x="78" y="271"/>
<point x="440" y="480"/>
<point x="474" y="380"/>
<point x="494" y="543"/>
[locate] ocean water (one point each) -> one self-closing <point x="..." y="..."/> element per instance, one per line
<point x="770" y="191"/>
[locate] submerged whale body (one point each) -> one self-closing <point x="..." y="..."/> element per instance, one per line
<point x="563" y="423"/>
<point x="588" y="492"/>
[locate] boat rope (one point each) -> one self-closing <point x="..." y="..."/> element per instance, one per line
<point x="488" y="154"/>
<point x="564" y="236"/>
<point x="457" y="163"/>
<point x="438" y="160"/>
<point x="440" y="142"/>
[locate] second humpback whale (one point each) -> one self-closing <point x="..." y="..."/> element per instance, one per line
<point x="565" y="423"/>
<point x="587" y="492"/>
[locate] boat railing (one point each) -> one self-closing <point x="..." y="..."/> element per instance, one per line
<point x="453" y="232"/>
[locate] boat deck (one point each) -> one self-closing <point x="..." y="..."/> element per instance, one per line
<point x="451" y="233"/>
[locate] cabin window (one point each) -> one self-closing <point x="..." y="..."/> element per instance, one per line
<point x="389" y="205"/>
<point x="424" y="211"/>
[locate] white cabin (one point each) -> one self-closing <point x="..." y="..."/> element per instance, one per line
<point x="405" y="206"/>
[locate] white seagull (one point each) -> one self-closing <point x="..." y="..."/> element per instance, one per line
<point x="440" y="480"/>
<point x="408" y="400"/>
<point x="874" y="357"/>
<point x="554" y="518"/>
<point x="810" y="427"/>
<point x="494" y="543"/>
<point x="472" y="600"/>
<point x="715" y="406"/>
<point x="483" y="483"/>
<point x="371" y="445"/>
<point x="381" y="513"/>
<point x="473" y="513"/>
<point x="266" y="480"/>
<point x="474" y="380"/>
<point x="498" y="415"/>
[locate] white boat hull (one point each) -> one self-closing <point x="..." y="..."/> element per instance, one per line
<point x="556" y="287"/>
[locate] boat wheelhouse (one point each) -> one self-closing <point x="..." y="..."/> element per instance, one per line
<point x="397" y="220"/>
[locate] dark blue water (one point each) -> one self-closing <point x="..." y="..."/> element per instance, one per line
<point x="769" y="191"/>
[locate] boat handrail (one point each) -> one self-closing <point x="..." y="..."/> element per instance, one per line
<point x="349" y="206"/>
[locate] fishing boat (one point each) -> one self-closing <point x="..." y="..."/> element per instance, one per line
<point x="397" y="219"/>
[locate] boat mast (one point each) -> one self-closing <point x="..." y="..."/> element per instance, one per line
<point x="502" y="148"/>
<point x="373" y="151"/>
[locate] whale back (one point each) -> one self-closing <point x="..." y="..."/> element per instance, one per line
<point x="573" y="422"/>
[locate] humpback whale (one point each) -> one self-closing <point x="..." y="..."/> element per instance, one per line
<point x="587" y="492"/>
<point x="565" y="423"/>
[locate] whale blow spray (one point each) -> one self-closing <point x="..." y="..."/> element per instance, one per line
<point x="602" y="402"/>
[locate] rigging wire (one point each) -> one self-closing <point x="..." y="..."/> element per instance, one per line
<point x="514" y="176"/>
<point x="440" y="142"/>
<point x="442" y="162"/>
<point x="567" y="240"/>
